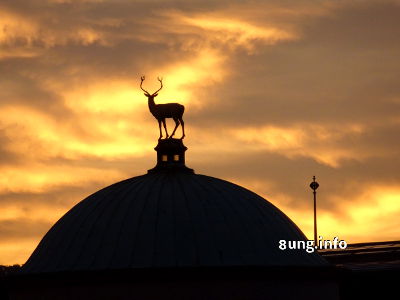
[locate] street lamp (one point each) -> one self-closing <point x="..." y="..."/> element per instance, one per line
<point x="314" y="185"/>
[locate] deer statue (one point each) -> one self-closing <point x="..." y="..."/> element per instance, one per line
<point x="163" y="111"/>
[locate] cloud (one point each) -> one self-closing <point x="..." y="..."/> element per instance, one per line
<point x="7" y="157"/>
<point x="21" y="228"/>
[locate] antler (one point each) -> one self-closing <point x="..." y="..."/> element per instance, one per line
<point x="141" y="82"/>
<point x="160" y="80"/>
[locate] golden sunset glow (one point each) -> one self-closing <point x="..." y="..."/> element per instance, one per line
<point x="273" y="93"/>
<point x="372" y="214"/>
<point x="238" y="33"/>
<point x="300" y="140"/>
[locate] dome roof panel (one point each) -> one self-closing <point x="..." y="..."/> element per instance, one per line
<point x="169" y="219"/>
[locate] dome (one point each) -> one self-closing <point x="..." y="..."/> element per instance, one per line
<point x="170" y="217"/>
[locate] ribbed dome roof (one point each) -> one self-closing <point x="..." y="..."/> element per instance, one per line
<point x="169" y="219"/>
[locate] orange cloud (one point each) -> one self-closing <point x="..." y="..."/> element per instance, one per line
<point x="371" y="216"/>
<point x="311" y="140"/>
<point x="227" y="30"/>
<point x="16" y="252"/>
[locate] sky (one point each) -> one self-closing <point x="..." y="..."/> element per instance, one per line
<point x="275" y="92"/>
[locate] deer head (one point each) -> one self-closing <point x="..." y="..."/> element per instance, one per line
<point x="146" y="93"/>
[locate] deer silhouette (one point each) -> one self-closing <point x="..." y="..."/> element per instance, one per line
<point x="163" y="111"/>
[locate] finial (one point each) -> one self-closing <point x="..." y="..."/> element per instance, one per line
<point x="170" y="156"/>
<point x="314" y="185"/>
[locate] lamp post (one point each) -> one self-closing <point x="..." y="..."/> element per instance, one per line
<point x="314" y="185"/>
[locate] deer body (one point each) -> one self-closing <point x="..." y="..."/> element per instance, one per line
<point x="164" y="111"/>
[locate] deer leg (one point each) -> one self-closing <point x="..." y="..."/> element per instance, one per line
<point x="176" y="126"/>
<point x="159" y="126"/>
<point x="183" y="128"/>
<point x="165" y="127"/>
